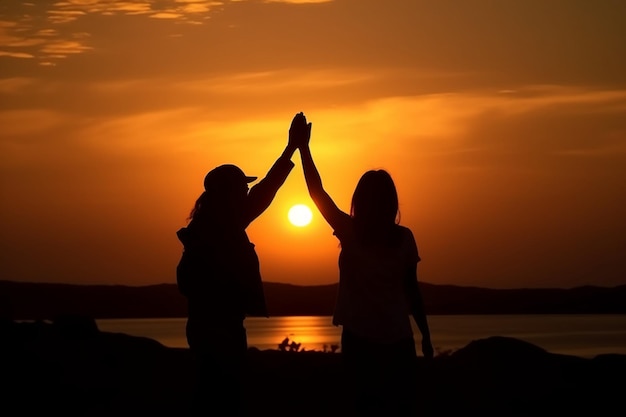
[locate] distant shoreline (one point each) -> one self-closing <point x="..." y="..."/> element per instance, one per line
<point x="584" y="335"/>
<point x="23" y="301"/>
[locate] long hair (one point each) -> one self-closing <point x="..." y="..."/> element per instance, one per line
<point x="375" y="208"/>
<point x="215" y="206"/>
<point x="198" y="208"/>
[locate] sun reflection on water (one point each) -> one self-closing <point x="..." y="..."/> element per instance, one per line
<point x="311" y="332"/>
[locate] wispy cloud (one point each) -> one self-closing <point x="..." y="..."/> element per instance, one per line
<point x="49" y="25"/>
<point x="16" y="54"/>
<point x="298" y="1"/>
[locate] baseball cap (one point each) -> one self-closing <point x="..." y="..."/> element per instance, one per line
<point x="225" y="174"/>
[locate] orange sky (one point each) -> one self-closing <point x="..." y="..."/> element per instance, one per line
<point x="503" y="124"/>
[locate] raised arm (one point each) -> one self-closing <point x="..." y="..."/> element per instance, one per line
<point x="262" y="194"/>
<point x="327" y="207"/>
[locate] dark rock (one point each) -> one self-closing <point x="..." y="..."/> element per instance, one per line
<point x="73" y="326"/>
<point x="76" y="372"/>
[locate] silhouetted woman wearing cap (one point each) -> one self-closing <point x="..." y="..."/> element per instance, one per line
<point x="219" y="274"/>
<point x="378" y="292"/>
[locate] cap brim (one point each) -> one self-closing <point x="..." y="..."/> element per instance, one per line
<point x="250" y="179"/>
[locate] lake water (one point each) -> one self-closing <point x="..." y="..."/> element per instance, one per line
<point x="578" y="335"/>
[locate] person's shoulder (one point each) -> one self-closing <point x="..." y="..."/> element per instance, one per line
<point x="405" y="231"/>
<point x="405" y="235"/>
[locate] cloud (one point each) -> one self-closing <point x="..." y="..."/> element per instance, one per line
<point x="553" y="122"/>
<point x="61" y="49"/>
<point x="166" y="15"/>
<point x="52" y="25"/>
<point x="298" y="1"/>
<point x="64" y="16"/>
<point x="16" y="54"/>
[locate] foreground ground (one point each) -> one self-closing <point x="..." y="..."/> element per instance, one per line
<point x="70" y="368"/>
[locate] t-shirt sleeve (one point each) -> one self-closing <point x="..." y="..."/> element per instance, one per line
<point x="343" y="229"/>
<point x="413" y="253"/>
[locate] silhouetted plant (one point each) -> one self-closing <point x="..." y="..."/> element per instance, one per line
<point x="282" y="346"/>
<point x="285" y="346"/>
<point x="288" y="345"/>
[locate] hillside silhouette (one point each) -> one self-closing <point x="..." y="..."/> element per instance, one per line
<point x="31" y="301"/>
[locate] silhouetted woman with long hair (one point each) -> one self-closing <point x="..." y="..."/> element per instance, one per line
<point x="378" y="292"/>
<point x="219" y="275"/>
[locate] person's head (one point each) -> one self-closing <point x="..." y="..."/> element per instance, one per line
<point x="375" y="200"/>
<point x="225" y="192"/>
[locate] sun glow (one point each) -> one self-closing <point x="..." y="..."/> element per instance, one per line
<point x="300" y="215"/>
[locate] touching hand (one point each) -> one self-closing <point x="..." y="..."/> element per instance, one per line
<point x="300" y="131"/>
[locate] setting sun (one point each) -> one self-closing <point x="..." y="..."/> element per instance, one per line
<point x="300" y="215"/>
